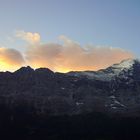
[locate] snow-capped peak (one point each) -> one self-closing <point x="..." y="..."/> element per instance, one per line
<point x="125" y="64"/>
<point x="108" y="73"/>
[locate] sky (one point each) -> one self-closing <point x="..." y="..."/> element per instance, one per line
<point x="68" y="35"/>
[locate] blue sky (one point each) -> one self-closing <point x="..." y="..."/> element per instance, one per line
<point x="114" y="23"/>
<point x="108" y="22"/>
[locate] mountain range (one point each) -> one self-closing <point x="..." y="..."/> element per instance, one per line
<point x="71" y="104"/>
<point x="115" y="89"/>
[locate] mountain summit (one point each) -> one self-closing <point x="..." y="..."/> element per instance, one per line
<point x="111" y="72"/>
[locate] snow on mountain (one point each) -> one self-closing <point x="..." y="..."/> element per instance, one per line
<point x="125" y="64"/>
<point x="108" y="73"/>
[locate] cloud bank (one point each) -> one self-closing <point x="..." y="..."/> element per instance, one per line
<point x="70" y="56"/>
<point x="62" y="57"/>
<point x="10" y="59"/>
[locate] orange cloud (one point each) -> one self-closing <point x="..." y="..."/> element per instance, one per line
<point x="70" y="56"/>
<point x="63" y="57"/>
<point x="10" y="59"/>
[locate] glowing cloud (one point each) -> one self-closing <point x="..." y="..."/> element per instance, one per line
<point x="10" y="59"/>
<point x="32" y="38"/>
<point x="62" y="57"/>
<point x="70" y="56"/>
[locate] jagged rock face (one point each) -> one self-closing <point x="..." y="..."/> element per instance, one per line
<point x="41" y="91"/>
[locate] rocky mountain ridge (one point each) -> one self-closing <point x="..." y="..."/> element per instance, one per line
<point x="41" y="91"/>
